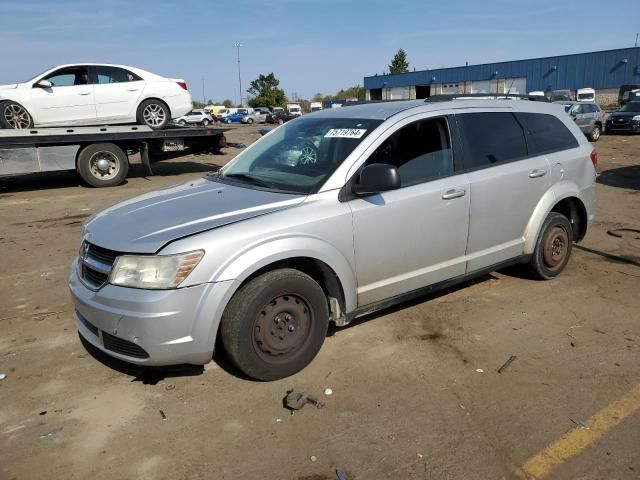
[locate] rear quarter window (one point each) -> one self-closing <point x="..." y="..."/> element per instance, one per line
<point x="491" y="138"/>
<point x="545" y="133"/>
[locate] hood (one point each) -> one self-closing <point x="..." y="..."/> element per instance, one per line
<point x="624" y="114"/>
<point x="13" y="86"/>
<point x="146" y="223"/>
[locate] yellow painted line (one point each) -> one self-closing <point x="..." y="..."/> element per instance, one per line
<point x="576" y="440"/>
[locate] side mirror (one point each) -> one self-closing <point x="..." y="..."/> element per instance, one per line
<point x="44" y="84"/>
<point x="376" y="178"/>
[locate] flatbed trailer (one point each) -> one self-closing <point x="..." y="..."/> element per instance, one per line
<point x="100" y="155"/>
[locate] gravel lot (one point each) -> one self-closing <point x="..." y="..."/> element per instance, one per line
<point x="416" y="392"/>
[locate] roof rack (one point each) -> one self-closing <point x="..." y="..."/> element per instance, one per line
<point x="492" y="96"/>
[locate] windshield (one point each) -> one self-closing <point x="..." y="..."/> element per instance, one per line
<point x="299" y="156"/>
<point x="631" y="107"/>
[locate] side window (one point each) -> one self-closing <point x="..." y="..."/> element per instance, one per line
<point x="491" y="138"/>
<point x="545" y="133"/>
<point x="420" y="151"/>
<point x="115" y="75"/>
<point x="576" y="109"/>
<point x="70" y="76"/>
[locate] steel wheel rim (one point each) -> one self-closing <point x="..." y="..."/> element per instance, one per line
<point x="154" y="115"/>
<point x="16" y="116"/>
<point x="556" y="246"/>
<point x="308" y="155"/>
<point x="104" y="165"/>
<point x="282" y="328"/>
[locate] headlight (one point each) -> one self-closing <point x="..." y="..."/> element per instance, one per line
<point x="154" y="271"/>
<point x="636" y="118"/>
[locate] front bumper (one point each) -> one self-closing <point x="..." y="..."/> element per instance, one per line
<point x="630" y="126"/>
<point x="150" y="327"/>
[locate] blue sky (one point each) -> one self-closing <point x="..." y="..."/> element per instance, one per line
<point x="311" y="45"/>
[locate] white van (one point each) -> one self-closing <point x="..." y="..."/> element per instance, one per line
<point x="586" y="95"/>
<point x="315" y="106"/>
<point x="294" y="109"/>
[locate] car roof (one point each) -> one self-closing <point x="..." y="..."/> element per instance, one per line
<point x="385" y="110"/>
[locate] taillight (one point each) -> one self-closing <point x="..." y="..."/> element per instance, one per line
<point x="183" y="85"/>
<point x="594" y="157"/>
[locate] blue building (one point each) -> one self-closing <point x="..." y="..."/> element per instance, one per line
<point x="605" y="71"/>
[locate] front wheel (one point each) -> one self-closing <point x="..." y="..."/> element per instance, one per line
<point x="153" y="113"/>
<point x="205" y="123"/>
<point x="103" y="165"/>
<point x="280" y="121"/>
<point x="250" y="121"/>
<point x="275" y="325"/>
<point x="594" y="134"/>
<point x="14" y="116"/>
<point x="553" y="247"/>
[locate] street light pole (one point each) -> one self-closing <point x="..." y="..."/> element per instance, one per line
<point x="238" y="45"/>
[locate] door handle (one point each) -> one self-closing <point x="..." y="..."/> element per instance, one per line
<point x="85" y="93"/>
<point x="538" y="172"/>
<point x="454" y="193"/>
<point x="133" y="89"/>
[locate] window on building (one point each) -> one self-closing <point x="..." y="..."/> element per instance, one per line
<point x="491" y="138"/>
<point x="420" y="151"/>
<point x="545" y="133"/>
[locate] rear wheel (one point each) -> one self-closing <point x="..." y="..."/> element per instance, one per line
<point x="594" y="134"/>
<point x="249" y="121"/>
<point x="280" y="121"/>
<point x="153" y="113"/>
<point x="14" y="116"/>
<point x="275" y="324"/>
<point x="205" y="122"/>
<point x="103" y="165"/>
<point x="182" y="123"/>
<point x="553" y="247"/>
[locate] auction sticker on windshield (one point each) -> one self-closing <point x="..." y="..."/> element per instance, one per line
<point x="345" y="133"/>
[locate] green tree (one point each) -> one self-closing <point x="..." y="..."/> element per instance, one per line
<point x="266" y="92"/>
<point x="399" y="64"/>
<point x="227" y="103"/>
<point x="352" y="92"/>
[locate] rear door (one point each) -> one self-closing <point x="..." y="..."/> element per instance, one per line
<point x="581" y="116"/>
<point x="117" y="92"/>
<point x="415" y="236"/>
<point x="69" y="101"/>
<point x="506" y="184"/>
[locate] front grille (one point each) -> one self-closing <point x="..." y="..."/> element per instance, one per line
<point x="94" y="277"/>
<point x="124" y="347"/>
<point x="96" y="264"/>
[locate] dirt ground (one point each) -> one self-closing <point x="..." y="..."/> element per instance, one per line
<point x="416" y="392"/>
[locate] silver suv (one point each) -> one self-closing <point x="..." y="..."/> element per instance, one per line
<point x="588" y="116"/>
<point x="328" y="218"/>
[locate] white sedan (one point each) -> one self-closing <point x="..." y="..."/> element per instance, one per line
<point x="92" y="94"/>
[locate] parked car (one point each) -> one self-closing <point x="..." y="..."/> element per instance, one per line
<point x="560" y="95"/>
<point x="622" y="98"/>
<point x="280" y="117"/>
<point x="93" y="94"/>
<point x="626" y="119"/>
<point x="328" y="218"/>
<point x="588" y="116"/>
<point x="195" y="117"/>
<point x="255" y="117"/>
<point x="264" y="110"/>
<point x="233" y="118"/>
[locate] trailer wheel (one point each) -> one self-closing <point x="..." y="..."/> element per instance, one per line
<point x="103" y="165"/>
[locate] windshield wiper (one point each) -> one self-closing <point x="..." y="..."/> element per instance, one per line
<point x="248" y="178"/>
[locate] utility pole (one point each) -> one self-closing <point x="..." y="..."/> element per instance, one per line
<point x="636" y="44"/>
<point x="238" y="45"/>
<point x="204" y="101"/>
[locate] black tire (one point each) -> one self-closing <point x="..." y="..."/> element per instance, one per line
<point x="553" y="247"/>
<point x="594" y="134"/>
<point x="110" y="172"/>
<point x="275" y="325"/>
<point x="14" y="116"/>
<point x="154" y="114"/>
<point x="249" y="121"/>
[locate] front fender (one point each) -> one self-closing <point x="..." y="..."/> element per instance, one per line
<point x="255" y="256"/>
<point x="555" y="194"/>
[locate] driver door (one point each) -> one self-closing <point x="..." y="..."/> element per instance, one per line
<point x="69" y="101"/>
<point x="415" y="236"/>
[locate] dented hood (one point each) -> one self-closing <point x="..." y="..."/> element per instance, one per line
<point x="146" y="223"/>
